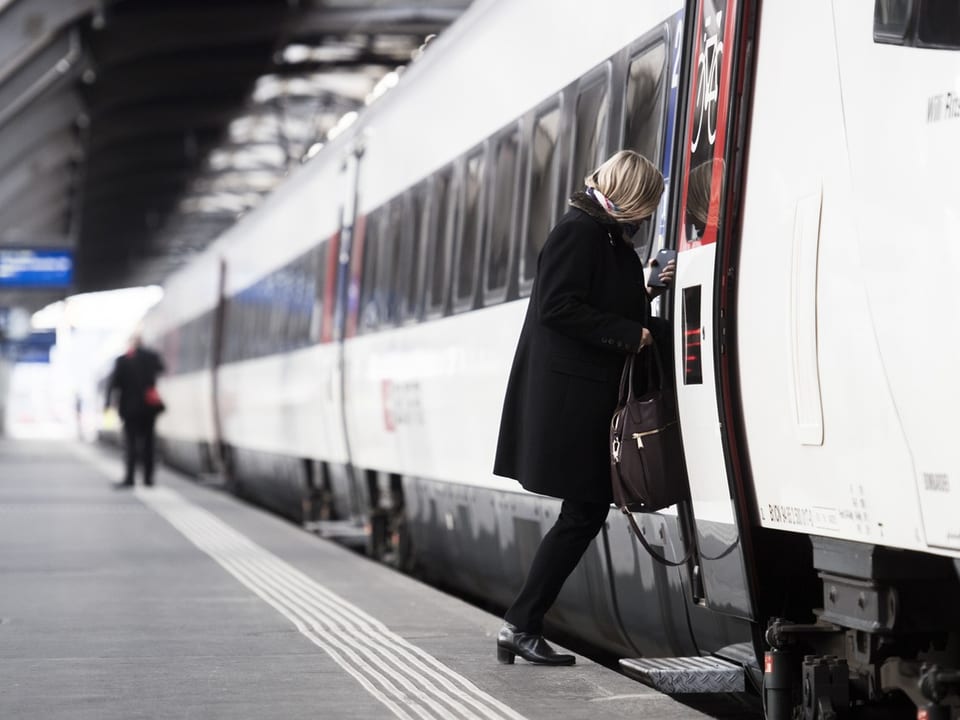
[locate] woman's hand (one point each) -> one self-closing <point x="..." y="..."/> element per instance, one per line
<point x="666" y="277"/>
<point x="645" y="339"/>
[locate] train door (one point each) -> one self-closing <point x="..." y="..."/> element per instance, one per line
<point x="340" y="323"/>
<point x="719" y="42"/>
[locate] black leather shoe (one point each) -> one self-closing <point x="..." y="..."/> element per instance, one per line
<point x="532" y="648"/>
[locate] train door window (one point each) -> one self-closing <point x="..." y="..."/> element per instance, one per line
<point x="442" y="221"/>
<point x="501" y="215"/>
<point x="468" y="249"/>
<point x="369" y="316"/>
<point x="414" y="238"/>
<point x="591" y="118"/>
<point x="644" y="103"/>
<point x="541" y="202"/>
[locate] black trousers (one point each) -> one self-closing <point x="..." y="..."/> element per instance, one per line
<point x="558" y="554"/>
<point x="138" y="442"/>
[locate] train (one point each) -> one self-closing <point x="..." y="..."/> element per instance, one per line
<point x="340" y="354"/>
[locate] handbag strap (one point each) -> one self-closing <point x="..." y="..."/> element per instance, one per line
<point x="626" y="380"/>
<point x="626" y="377"/>
<point x="653" y="553"/>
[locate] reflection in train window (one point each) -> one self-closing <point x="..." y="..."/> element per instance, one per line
<point x="591" y="117"/>
<point x="503" y="193"/>
<point x="438" y="253"/>
<point x="468" y="254"/>
<point x="643" y="112"/>
<point x="541" y="196"/>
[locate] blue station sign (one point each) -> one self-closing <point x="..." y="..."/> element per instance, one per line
<point x="20" y="268"/>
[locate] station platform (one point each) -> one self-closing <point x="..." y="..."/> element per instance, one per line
<point x="181" y="601"/>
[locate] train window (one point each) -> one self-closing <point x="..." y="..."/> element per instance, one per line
<point x="386" y="288"/>
<point x="891" y="20"/>
<point x="298" y="330"/>
<point x="541" y="193"/>
<point x="244" y="325"/>
<point x="929" y="24"/>
<point x="643" y="109"/>
<point x="468" y="251"/>
<point x="238" y="326"/>
<point x="500" y="213"/>
<point x="204" y="334"/>
<point x="692" y="335"/>
<point x="593" y="108"/>
<point x="318" y="267"/>
<point x="442" y="218"/>
<point x="413" y="239"/>
<point x="938" y="24"/>
<point x="369" y="318"/>
<point x="264" y="311"/>
<point x="400" y="237"/>
<point x="279" y="293"/>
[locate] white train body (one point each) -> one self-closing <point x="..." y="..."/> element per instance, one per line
<point x="824" y="397"/>
<point x="852" y="203"/>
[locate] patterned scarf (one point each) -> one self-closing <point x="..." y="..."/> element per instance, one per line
<point x="602" y="200"/>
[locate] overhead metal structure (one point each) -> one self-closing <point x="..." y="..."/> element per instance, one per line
<point x="136" y="131"/>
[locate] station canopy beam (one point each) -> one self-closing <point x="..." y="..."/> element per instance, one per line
<point x="136" y="131"/>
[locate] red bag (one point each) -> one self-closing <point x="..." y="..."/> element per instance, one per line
<point x="153" y="400"/>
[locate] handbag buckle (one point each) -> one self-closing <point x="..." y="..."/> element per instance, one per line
<point x="615" y="451"/>
<point x="639" y="438"/>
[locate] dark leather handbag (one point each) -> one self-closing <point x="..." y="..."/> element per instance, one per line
<point x="647" y="467"/>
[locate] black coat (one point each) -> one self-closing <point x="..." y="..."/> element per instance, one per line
<point x="587" y="311"/>
<point x="132" y="374"/>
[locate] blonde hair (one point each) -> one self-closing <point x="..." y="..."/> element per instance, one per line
<point x="631" y="182"/>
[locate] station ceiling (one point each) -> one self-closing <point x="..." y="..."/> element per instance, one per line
<point x="136" y="131"/>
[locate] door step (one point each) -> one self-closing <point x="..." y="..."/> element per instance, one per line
<point x="685" y="674"/>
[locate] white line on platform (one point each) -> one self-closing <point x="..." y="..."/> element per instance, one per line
<point x="404" y="678"/>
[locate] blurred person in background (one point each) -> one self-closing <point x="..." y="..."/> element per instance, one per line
<point x="134" y="378"/>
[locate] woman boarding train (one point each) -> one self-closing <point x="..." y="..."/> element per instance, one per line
<point x="589" y="307"/>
